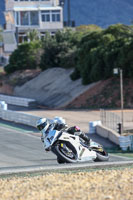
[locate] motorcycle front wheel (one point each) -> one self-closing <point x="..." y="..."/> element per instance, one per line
<point x="65" y="152"/>
<point x="60" y="161"/>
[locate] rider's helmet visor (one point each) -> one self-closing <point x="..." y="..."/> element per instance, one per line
<point x="41" y="126"/>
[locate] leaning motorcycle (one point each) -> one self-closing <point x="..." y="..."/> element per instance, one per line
<point x="70" y="149"/>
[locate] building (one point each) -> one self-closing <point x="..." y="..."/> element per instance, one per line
<point x="24" y="15"/>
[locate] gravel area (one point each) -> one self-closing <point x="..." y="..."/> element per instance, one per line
<point x="93" y="185"/>
<point x="80" y="118"/>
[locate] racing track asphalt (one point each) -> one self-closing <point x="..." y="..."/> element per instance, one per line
<point x="19" y="148"/>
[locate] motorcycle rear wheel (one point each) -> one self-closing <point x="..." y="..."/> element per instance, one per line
<point x="101" y="156"/>
<point x="66" y="154"/>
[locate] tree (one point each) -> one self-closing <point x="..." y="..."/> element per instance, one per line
<point x="24" y="57"/>
<point x="102" y="50"/>
<point x="33" y="35"/>
<point x="58" y="51"/>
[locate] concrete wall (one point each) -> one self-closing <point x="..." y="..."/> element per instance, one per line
<point x="35" y="3"/>
<point x="9" y="47"/>
<point x="18" y="117"/>
<point x="108" y="133"/>
<point x="12" y="100"/>
<point x="9" y="4"/>
<point x="51" y="25"/>
<point x="51" y="92"/>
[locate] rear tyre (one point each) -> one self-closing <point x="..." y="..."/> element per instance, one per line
<point x="101" y="156"/>
<point x="65" y="152"/>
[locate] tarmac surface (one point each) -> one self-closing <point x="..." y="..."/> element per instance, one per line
<point x="20" y="147"/>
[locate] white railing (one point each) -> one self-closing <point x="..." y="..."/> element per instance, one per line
<point x="18" y="117"/>
<point x="18" y="101"/>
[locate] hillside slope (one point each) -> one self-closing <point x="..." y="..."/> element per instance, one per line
<point x="101" y="12"/>
<point x="2" y="8"/>
<point x="105" y="95"/>
<point x="52" y="88"/>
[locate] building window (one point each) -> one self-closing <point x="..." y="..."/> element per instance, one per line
<point x="45" y="16"/>
<point x="56" y="15"/>
<point x="50" y="15"/>
<point x="34" y="19"/>
<point x="22" y="37"/>
<point x="27" y="18"/>
<point x="24" y="18"/>
<point x="17" y="18"/>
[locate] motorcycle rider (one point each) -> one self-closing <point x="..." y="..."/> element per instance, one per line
<point x="43" y="125"/>
<point x="75" y="130"/>
<point x="58" y="123"/>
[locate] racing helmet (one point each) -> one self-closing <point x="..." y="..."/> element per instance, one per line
<point x="60" y="123"/>
<point x="42" y="123"/>
<point x="59" y="120"/>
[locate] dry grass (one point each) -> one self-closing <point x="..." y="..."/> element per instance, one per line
<point x="95" y="185"/>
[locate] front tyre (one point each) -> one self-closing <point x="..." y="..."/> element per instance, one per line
<point x="101" y="156"/>
<point x="65" y="152"/>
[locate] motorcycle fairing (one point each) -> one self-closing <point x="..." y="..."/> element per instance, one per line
<point x="83" y="153"/>
<point x="96" y="146"/>
<point x="50" y="138"/>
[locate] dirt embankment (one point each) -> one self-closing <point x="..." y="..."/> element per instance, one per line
<point x="96" y="185"/>
<point x="105" y="95"/>
<point x="9" y="82"/>
<point x="53" y="88"/>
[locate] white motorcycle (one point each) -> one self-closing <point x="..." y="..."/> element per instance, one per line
<point x="70" y="149"/>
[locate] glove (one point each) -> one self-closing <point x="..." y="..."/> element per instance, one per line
<point x="73" y="130"/>
<point x="42" y="139"/>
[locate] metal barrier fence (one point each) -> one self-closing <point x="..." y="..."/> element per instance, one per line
<point x="110" y="119"/>
<point x="18" y="117"/>
<point x="19" y="101"/>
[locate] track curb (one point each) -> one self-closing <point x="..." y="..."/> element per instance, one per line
<point x="63" y="167"/>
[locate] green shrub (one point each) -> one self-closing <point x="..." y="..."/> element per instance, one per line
<point x="24" y="57"/>
<point x="90" y="50"/>
<point x="102" y="50"/>
<point x="60" y="50"/>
